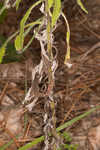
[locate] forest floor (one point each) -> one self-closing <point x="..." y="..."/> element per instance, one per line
<point x="77" y="89"/>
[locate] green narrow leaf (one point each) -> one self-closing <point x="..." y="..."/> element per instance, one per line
<point x="20" y="39"/>
<point x="30" y="26"/>
<point x="31" y="144"/>
<point x="68" y="36"/>
<point x="67" y="56"/>
<point x="2" y="53"/>
<point x="62" y="127"/>
<point x="82" y="6"/>
<point x="17" y="43"/>
<point x="17" y="4"/>
<point x="50" y="3"/>
<point x="56" y="11"/>
<point x="6" y="145"/>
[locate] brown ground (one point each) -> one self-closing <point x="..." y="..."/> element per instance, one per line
<point x="77" y="89"/>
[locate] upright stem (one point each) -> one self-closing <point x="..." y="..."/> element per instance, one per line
<point x="51" y="119"/>
<point x="49" y="30"/>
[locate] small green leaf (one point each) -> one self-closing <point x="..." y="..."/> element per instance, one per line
<point x="17" y="4"/>
<point x="18" y="43"/>
<point x="20" y="37"/>
<point x="10" y="53"/>
<point x="56" y="11"/>
<point x="68" y="46"/>
<point x="2" y="53"/>
<point x="50" y="3"/>
<point x="67" y="56"/>
<point x="82" y="6"/>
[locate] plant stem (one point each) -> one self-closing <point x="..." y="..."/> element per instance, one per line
<point x="49" y="30"/>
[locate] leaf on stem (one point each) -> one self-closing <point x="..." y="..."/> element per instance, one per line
<point x="50" y="3"/>
<point x="2" y="53"/>
<point x="20" y="38"/>
<point x="82" y="6"/>
<point x="56" y="11"/>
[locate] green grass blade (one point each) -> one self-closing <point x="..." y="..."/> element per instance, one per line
<point x="71" y="122"/>
<point x="31" y="144"/>
<point x="65" y="125"/>
<point x="82" y="6"/>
